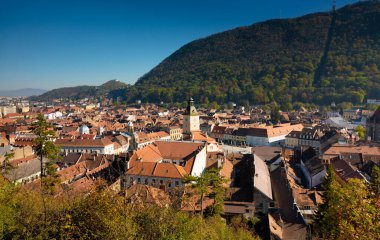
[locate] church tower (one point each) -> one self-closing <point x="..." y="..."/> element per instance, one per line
<point x="133" y="136"/>
<point x="190" y="119"/>
<point x="130" y="128"/>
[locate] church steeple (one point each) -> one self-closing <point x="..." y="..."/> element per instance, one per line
<point x="190" y="109"/>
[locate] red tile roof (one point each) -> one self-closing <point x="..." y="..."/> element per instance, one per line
<point x="165" y="170"/>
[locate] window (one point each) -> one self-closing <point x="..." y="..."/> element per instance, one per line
<point x="138" y="180"/>
<point x="176" y="183"/>
<point x="161" y="182"/>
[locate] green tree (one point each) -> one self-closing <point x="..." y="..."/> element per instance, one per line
<point x="324" y="221"/>
<point x="375" y="180"/>
<point x="218" y="191"/>
<point x="275" y="114"/>
<point x="214" y="105"/>
<point x="7" y="166"/>
<point x="101" y="214"/>
<point x="360" y="130"/>
<point x="208" y="181"/>
<point x="7" y="207"/>
<point x="348" y="211"/>
<point x="47" y="152"/>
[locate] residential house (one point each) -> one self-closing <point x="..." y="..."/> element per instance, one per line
<point x="312" y="168"/>
<point x="175" y="132"/>
<point x="262" y="194"/>
<point x="357" y="155"/>
<point x="218" y="133"/>
<point x="143" y="139"/>
<point x="350" y="114"/>
<point x="306" y="203"/>
<point x="270" y="135"/>
<point x="26" y="170"/>
<point x="161" y="175"/>
<point x="281" y="230"/>
<point x="345" y="171"/>
<point x="292" y="139"/>
<point x="318" y="137"/>
<point x="239" y="137"/>
<point x="163" y="163"/>
<point x="228" y="135"/>
<point x="103" y="145"/>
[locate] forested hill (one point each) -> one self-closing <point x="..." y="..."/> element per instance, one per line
<point x="80" y="92"/>
<point x="317" y="58"/>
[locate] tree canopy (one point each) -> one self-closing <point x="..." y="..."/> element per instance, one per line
<point x="100" y="214"/>
<point x="349" y="211"/>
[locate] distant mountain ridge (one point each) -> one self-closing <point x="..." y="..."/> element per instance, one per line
<point x="25" y="92"/>
<point x="318" y="58"/>
<point x="80" y="92"/>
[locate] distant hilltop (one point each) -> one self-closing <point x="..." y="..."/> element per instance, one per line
<point x="318" y="58"/>
<point x="82" y="91"/>
<point x="25" y="92"/>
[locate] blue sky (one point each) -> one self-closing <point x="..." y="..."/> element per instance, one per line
<point x="57" y="43"/>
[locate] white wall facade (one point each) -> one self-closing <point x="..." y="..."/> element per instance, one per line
<point x="265" y="141"/>
<point x="103" y="150"/>
<point x="199" y="163"/>
<point x="315" y="180"/>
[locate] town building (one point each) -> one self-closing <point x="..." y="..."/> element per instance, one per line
<point x="218" y="133"/>
<point x="164" y="163"/>
<point x="175" y="132"/>
<point x="306" y="203"/>
<point x="312" y="168"/>
<point x="319" y="137"/>
<point x="143" y="139"/>
<point x="262" y="194"/>
<point x="103" y="145"/>
<point x="358" y="155"/>
<point x="270" y="135"/>
<point x="345" y="171"/>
